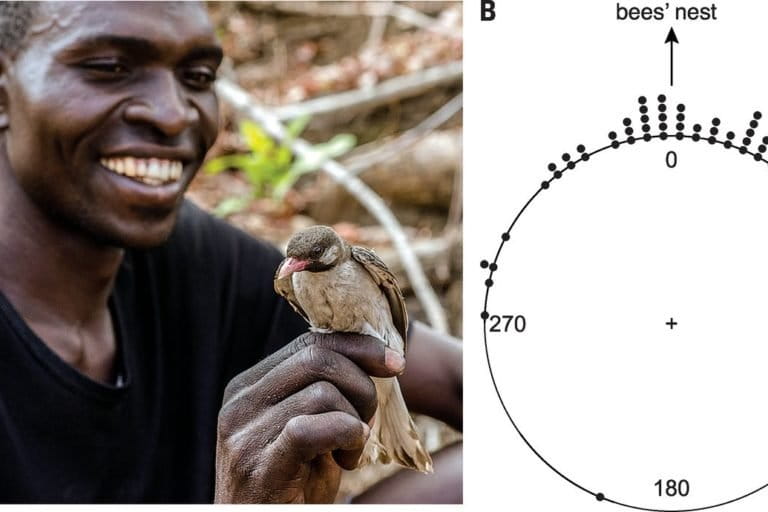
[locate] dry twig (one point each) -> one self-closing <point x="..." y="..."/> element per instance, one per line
<point x="364" y="159"/>
<point x="379" y="94"/>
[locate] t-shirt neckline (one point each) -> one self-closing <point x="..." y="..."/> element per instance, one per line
<point x="61" y="370"/>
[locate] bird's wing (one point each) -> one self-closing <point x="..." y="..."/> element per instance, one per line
<point x="284" y="287"/>
<point x="388" y="284"/>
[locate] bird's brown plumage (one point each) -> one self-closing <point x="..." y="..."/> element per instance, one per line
<point x="349" y="288"/>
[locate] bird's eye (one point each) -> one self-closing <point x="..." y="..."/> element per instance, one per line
<point x="317" y="251"/>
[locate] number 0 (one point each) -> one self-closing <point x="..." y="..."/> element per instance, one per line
<point x="671" y="159"/>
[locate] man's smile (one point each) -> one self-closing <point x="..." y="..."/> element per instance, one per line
<point x="149" y="171"/>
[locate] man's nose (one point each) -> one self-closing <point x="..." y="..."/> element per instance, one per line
<point x="163" y="105"/>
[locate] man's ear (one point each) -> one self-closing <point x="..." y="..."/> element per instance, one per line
<point x="4" y="67"/>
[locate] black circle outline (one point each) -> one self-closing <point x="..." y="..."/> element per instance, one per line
<point x="741" y="150"/>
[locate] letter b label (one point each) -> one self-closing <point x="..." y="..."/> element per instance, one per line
<point x="487" y="10"/>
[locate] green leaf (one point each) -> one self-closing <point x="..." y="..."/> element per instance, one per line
<point x="284" y="184"/>
<point x="222" y="163"/>
<point x="256" y="138"/>
<point x="231" y="205"/>
<point x="296" y="126"/>
<point x="283" y="157"/>
<point x="337" y="146"/>
<point x="322" y="152"/>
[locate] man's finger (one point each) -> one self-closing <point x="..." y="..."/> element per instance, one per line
<point x="315" y="364"/>
<point x="247" y="433"/>
<point x="367" y="352"/>
<point x="306" y="437"/>
<point x="347" y="459"/>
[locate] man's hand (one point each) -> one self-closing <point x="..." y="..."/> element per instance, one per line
<point x="289" y="424"/>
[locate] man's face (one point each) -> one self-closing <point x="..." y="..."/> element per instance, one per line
<point x="103" y="91"/>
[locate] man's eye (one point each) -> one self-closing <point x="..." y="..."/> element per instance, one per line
<point x="200" y="78"/>
<point x="106" y="67"/>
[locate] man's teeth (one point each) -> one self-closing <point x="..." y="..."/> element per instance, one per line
<point x="152" y="171"/>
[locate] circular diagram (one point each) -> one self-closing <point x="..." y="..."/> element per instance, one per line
<point x="625" y="313"/>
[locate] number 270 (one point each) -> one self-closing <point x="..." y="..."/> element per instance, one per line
<point x="515" y="321"/>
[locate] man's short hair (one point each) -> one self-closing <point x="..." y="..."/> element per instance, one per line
<point x="15" y="18"/>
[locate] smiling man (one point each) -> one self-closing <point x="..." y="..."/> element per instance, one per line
<point x="128" y="316"/>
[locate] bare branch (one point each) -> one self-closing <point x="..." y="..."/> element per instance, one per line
<point x="364" y="159"/>
<point x="369" y="97"/>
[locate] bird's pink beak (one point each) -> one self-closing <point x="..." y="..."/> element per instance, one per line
<point x="291" y="265"/>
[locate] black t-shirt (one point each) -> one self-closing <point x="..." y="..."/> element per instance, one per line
<point x="188" y="316"/>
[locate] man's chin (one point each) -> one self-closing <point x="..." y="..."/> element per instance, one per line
<point x="146" y="233"/>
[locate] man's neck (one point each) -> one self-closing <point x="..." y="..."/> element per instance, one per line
<point x="59" y="281"/>
<point x="47" y="271"/>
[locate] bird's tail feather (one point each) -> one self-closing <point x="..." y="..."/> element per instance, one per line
<point x="393" y="435"/>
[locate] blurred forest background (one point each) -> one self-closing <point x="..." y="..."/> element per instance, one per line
<point x="374" y="86"/>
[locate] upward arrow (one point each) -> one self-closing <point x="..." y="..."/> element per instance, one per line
<point x="671" y="39"/>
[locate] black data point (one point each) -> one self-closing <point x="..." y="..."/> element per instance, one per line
<point x="484" y="264"/>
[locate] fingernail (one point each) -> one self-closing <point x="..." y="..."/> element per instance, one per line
<point x="394" y="361"/>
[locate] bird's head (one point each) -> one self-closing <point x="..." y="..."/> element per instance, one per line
<point x="314" y="249"/>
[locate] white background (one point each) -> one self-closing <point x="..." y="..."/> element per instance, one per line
<point x="540" y="79"/>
